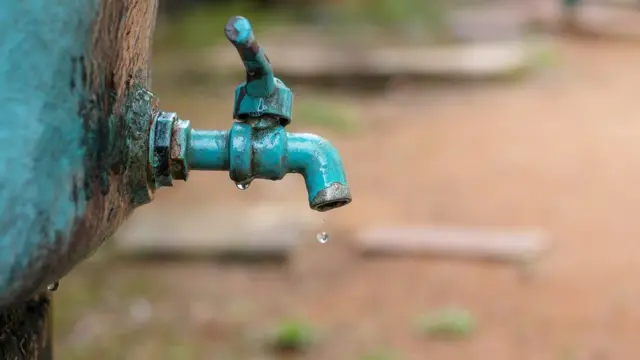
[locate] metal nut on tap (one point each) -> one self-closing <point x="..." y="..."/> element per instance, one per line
<point x="262" y="94"/>
<point x="160" y="146"/>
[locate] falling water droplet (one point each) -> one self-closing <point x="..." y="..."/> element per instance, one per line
<point x="242" y="186"/>
<point x="323" y="237"/>
<point x="53" y="287"/>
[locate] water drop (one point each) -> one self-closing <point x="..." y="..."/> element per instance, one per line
<point x="242" y="186"/>
<point x="323" y="237"/>
<point x="53" y="287"/>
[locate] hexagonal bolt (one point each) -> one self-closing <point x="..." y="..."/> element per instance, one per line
<point x="160" y="146"/>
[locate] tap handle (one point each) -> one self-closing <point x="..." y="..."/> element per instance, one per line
<point x="260" y="80"/>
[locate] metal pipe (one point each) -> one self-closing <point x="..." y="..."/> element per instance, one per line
<point x="251" y="152"/>
<point x="208" y="150"/>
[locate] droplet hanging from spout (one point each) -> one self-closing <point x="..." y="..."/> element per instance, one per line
<point x="322" y="237"/>
<point x="53" y="287"/>
<point x="242" y="186"/>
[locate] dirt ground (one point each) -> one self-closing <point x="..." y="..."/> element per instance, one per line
<point x="560" y="151"/>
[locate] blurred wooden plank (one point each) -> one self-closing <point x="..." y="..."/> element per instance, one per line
<point x="472" y="60"/>
<point x="500" y="245"/>
<point x="268" y="230"/>
<point x="496" y="20"/>
<point x="611" y="22"/>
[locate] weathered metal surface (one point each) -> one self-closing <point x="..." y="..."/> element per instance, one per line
<point x="262" y="94"/>
<point x="257" y="146"/>
<point x="73" y="78"/>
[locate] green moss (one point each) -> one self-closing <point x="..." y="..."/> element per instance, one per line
<point x="450" y="323"/>
<point x="292" y="335"/>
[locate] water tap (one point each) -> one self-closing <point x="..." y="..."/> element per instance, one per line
<point x="257" y="145"/>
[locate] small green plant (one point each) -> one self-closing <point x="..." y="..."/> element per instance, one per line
<point x="380" y="355"/>
<point x="292" y="335"/>
<point x="542" y="54"/>
<point x="451" y="323"/>
<point x="181" y="352"/>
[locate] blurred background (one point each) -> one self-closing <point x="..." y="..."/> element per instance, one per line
<point x="493" y="156"/>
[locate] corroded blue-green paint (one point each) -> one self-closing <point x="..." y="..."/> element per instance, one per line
<point x="262" y="94"/>
<point x="42" y="162"/>
<point x="318" y="161"/>
<point x="73" y="165"/>
<point x="74" y="139"/>
<point x="136" y="116"/>
<point x="243" y="27"/>
<point x="208" y="150"/>
<point x="160" y="136"/>
<point x="279" y="104"/>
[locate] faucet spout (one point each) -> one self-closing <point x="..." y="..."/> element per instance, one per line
<point x="208" y="150"/>
<point x="319" y="162"/>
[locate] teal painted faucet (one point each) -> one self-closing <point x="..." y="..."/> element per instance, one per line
<point x="257" y="145"/>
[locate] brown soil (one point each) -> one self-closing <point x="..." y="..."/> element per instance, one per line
<point x="560" y="151"/>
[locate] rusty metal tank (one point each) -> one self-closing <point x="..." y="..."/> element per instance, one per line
<point x="73" y="80"/>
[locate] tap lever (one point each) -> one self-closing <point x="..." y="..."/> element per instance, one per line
<point x="260" y="79"/>
<point x="262" y="95"/>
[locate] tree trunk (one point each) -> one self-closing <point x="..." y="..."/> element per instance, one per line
<point x="25" y="330"/>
